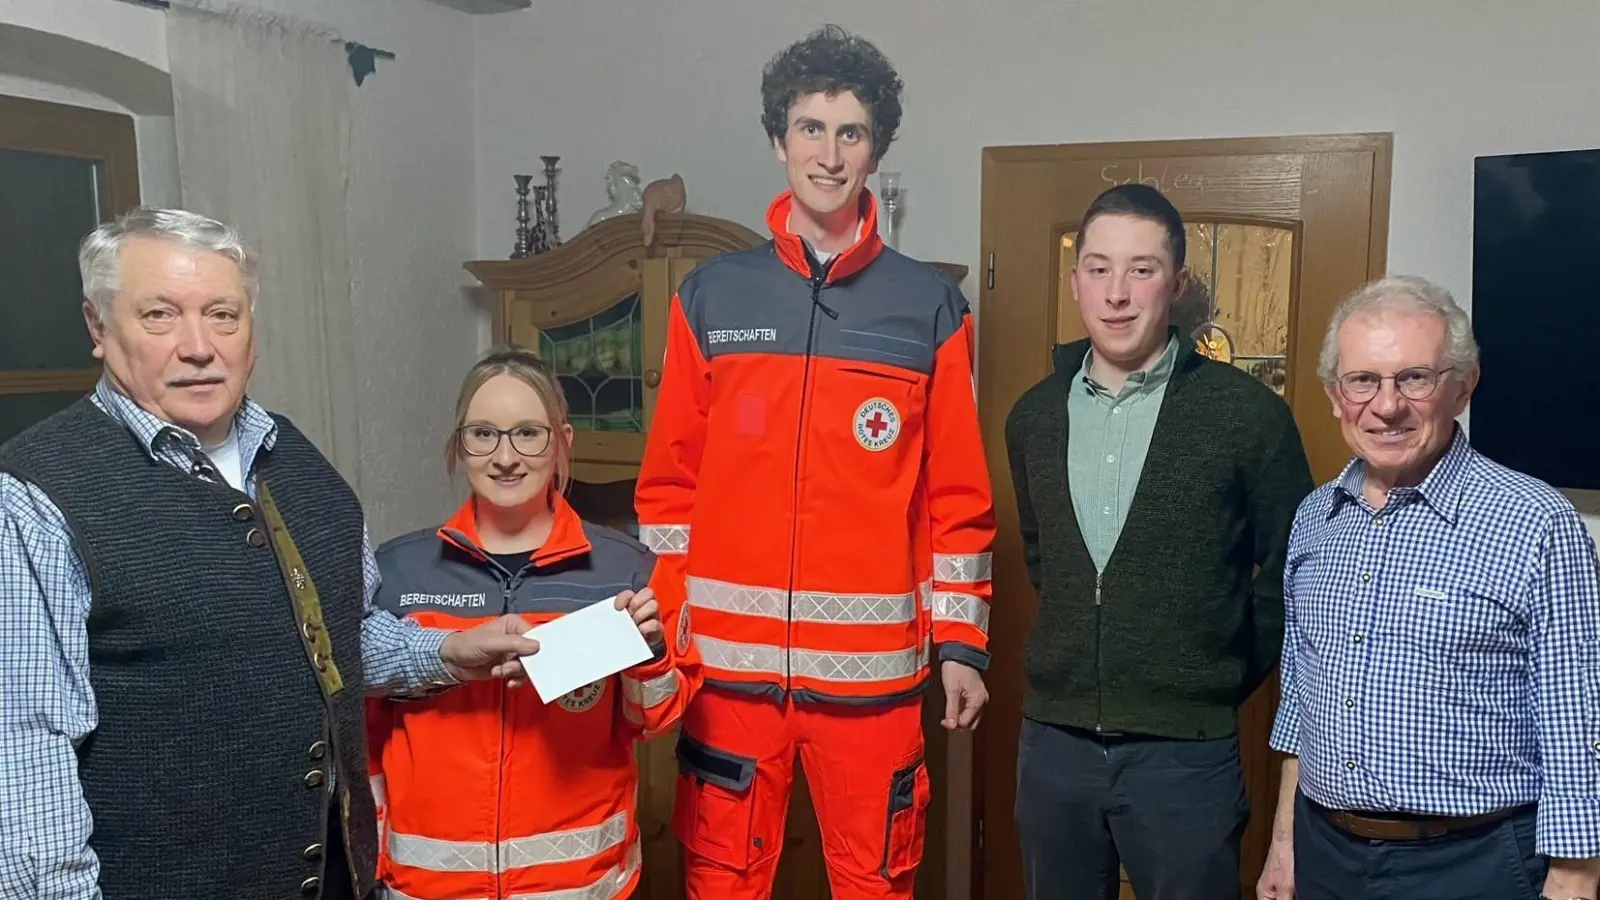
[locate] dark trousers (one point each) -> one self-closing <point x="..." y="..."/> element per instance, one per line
<point x="336" y="882"/>
<point x="1171" y="812"/>
<point x="1491" y="862"/>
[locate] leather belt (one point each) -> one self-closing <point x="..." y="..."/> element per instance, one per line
<point x="1394" y="827"/>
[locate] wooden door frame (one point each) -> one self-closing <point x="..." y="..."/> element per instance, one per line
<point x="1380" y="144"/>
<point x="993" y="407"/>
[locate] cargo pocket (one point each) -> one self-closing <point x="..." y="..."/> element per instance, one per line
<point x="906" y="826"/>
<point x="714" y="812"/>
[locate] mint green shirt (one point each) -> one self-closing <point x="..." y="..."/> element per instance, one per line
<point x="1107" y="440"/>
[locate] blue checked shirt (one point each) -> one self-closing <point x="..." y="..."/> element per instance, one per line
<point x="1442" y="655"/>
<point x="47" y="705"/>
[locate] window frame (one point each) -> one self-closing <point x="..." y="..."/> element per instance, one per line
<point x="60" y="129"/>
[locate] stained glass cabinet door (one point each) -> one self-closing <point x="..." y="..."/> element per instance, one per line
<point x="609" y="364"/>
<point x="596" y="308"/>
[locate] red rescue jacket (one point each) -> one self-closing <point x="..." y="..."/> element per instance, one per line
<point x="814" y="479"/>
<point x="487" y="791"/>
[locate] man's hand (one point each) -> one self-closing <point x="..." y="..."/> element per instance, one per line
<point x="647" y="615"/>
<point x="964" y="695"/>
<point x="1277" y="876"/>
<point x="490" y="650"/>
<point x="1572" y="878"/>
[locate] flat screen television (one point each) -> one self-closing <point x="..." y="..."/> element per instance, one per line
<point x="1536" y="314"/>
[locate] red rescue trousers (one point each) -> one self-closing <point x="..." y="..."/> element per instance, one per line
<point x="864" y="766"/>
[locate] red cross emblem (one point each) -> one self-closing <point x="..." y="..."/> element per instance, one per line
<point x="877" y="424"/>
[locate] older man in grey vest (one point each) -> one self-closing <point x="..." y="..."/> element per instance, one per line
<point x="186" y="625"/>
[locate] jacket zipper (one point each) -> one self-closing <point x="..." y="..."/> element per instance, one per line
<point x="1099" y="705"/>
<point x="509" y="587"/>
<point x="819" y="276"/>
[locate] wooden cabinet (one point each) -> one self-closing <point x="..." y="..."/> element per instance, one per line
<point x="596" y="308"/>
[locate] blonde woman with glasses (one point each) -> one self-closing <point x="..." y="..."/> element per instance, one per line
<point x="484" y="789"/>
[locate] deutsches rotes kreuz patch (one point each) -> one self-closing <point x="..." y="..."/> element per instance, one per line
<point x="582" y="698"/>
<point x="877" y="424"/>
<point x="683" y="630"/>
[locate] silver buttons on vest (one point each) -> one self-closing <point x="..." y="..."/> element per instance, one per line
<point x="244" y="512"/>
<point x="319" y="749"/>
<point x="310" y="885"/>
<point x="314" y="779"/>
<point x="313" y="852"/>
<point x="256" y="538"/>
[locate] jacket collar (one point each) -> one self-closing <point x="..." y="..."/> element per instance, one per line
<point x="1069" y="359"/>
<point x="792" y="249"/>
<point x="567" y="537"/>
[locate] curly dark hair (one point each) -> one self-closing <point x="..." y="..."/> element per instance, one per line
<point x="830" y="60"/>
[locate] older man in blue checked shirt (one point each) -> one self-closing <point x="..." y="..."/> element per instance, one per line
<point x="1441" y="659"/>
<point x="186" y="621"/>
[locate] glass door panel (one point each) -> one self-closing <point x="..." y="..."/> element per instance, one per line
<point x="1239" y="297"/>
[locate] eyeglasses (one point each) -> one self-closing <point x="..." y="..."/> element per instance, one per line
<point x="1415" y="383"/>
<point x="482" y="440"/>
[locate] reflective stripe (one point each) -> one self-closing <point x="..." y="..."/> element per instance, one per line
<point x="856" y="666"/>
<point x="514" y="853"/>
<point x="967" y="568"/>
<point x="848" y="609"/>
<point x="651" y="691"/>
<point x="954" y="606"/>
<point x="807" y="606"/>
<point x="380" y="792"/>
<point x="737" y="657"/>
<point x="665" y="539"/>
<point x="608" y="887"/>
<point x="848" y="667"/>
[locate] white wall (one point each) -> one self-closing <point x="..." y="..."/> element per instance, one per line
<point x="412" y="213"/>
<point x="675" y="87"/>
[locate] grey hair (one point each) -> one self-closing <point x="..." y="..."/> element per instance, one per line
<point x="1407" y="293"/>
<point x="98" y="254"/>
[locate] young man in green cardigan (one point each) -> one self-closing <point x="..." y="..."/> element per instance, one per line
<point x="1151" y="484"/>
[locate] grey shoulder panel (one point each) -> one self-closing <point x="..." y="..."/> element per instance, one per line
<point x="616" y="555"/>
<point x="418" y="575"/>
<point x="896" y="312"/>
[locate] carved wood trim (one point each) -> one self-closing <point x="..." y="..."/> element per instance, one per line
<point x="608" y="243"/>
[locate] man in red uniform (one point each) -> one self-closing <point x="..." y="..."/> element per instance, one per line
<point x="815" y="483"/>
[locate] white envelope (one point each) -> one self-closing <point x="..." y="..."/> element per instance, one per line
<point x="583" y="647"/>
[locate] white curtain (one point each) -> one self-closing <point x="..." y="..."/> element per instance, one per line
<point x="262" y="111"/>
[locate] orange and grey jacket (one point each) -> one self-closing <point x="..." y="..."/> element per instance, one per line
<point x="814" y="481"/>
<point x="487" y="791"/>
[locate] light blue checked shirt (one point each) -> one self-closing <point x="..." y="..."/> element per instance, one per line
<point x="46" y="703"/>
<point x="1442" y="655"/>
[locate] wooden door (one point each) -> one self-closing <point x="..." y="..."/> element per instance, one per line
<point x="1280" y="229"/>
